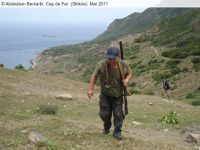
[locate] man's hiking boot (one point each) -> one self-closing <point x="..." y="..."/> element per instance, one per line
<point x="106" y="131"/>
<point x="117" y="135"/>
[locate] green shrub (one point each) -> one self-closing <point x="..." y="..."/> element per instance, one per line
<point x="162" y="61"/>
<point x="170" y="118"/>
<point x="153" y="66"/>
<point x="195" y="60"/>
<point x="175" y="53"/>
<point x="135" y="48"/>
<point x="196" y="52"/>
<point x="138" y="40"/>
<point x="175" y="70"/>
<point x="180" y="55"/>
<point x="20" y="67"/>
<point x="196" y="102"/>
<point x="132" y="83"/>
<point x="47" y="109"/>
<point x="143" y="38"/>
<point x="174" y="87"/>
<point x="49" y="145"/>
<point x="141" y="66"/>
<point x="153" y="61"/>
<point x="185" y="69"/>
<point x="190" y="96"/>
<point x="163" y="75"/>
<point x="166" y="53"/>
<point x="1" y="65"/>
<point x="198" y="88"/>
<point x="172" y="63"/>
<point x="196" y="67"/>
<point x="133" y="57"/>
<point x="134" y="91"/>
<point x="134" y="65"/>
<point x="149" y="92"/>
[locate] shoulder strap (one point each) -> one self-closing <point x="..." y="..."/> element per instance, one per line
<point x="120" y="69"/>
<point x="106" y="65"/>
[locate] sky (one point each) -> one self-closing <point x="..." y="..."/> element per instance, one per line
<point x="101" y="16"/>
<point x="89" y="15"/>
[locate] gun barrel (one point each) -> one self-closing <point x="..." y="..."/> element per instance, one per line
<point x="121" y="50"/>
<point x="125" y="97"/>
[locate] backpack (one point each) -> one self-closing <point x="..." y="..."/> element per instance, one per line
<point x="166" y="85"/>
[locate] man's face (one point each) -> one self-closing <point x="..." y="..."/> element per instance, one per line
<point x="112" y="62"/>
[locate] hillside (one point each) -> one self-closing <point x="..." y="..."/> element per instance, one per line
<point x="165" y="46"/>
<point x="138" y="22"/>
<point x="28" y="105"/>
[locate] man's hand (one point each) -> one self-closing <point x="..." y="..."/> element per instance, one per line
<point x="90" y="93"/>
<point x="125" y="82"/>
<point x="91" y="87"/>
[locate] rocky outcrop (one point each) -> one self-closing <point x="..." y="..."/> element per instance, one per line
<point x="64" y="97"/>
<point x="35" y="137"/>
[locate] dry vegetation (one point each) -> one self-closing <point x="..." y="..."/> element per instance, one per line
<point x="76" y="125"/>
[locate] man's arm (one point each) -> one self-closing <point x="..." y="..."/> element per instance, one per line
<point x="127" y="79"/>
<point x="93" y="81"/>
<point x="91" y="86"/>
<point x="128" y="75"/>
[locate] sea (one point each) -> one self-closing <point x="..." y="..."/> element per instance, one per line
<point x="20" y="44"/>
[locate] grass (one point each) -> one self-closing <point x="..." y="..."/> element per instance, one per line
<point x="47" y="109"/>
<point x="76" y="124"/>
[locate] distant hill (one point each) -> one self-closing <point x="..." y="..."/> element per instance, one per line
<point x="158" y="43"/>
<point x="138" y="22"/>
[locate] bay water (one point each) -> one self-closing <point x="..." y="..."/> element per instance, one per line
<point x="20" y="44"/>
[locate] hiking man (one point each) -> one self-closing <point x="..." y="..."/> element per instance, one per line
<point x="112" y="86"/>
<point x="166" y="87"/>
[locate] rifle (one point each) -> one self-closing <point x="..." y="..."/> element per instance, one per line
<point x="125" y="90"/>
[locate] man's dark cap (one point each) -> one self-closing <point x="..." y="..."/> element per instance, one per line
<point x="112" y="52"/>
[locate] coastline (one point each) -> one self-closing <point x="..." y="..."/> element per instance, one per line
<point x="33" y="63"/>
<point x="36" y="59"/>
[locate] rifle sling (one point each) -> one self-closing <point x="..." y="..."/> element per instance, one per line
<point x="121" y="72"/>
<point x="120" y="69"/>
<point x="107" y="80"/>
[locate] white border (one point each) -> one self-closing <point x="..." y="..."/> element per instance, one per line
<point x="97" y="3"/>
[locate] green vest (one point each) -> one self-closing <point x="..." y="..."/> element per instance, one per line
<point x="112" y="87"/>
